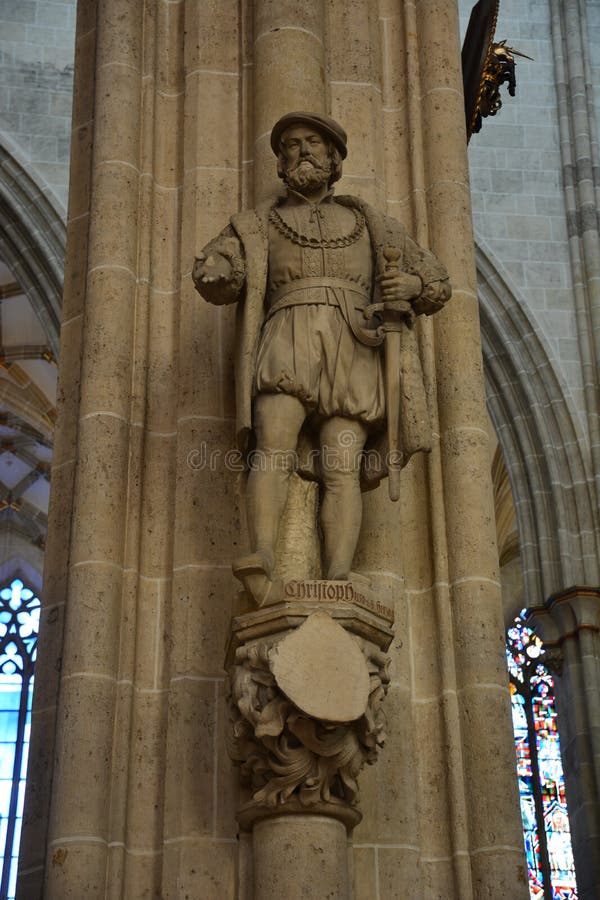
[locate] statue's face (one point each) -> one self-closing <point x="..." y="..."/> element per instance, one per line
<point x="301" y="143"/>
<point x="306" y="163"/>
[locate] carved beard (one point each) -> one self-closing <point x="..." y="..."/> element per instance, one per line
<point x="304" y="178"/>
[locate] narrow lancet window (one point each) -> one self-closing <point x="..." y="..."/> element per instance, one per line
<point x="539" y="769"/>
<point x="19" y="621"/>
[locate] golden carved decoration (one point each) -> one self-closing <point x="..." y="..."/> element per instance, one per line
<point x="487" y="65"/>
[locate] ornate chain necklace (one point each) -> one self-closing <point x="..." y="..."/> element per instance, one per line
<point x="317" y="243"/>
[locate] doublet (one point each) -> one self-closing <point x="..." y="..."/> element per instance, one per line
<point x="307" y="347"/>
<point x="319" y="359"/>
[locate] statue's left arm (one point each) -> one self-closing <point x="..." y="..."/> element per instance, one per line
<point x="435" y="288"/>
<point x="419" y="279"/>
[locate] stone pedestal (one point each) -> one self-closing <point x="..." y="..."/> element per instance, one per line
<point x="569" y="625"/>
<point x="308" y="676"/>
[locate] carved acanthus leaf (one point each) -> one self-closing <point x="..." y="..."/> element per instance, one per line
<point x="283" y="752"/>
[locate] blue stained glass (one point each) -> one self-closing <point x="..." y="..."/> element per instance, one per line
<point x="9" y="720"/>
<point x="532" y="692"/>
<point x="5" y="787"/>
<point x="19" y="621"/>
<point x="12" y="884"/>
<point x="10" y="697"/>
<point x="7" y="761"/>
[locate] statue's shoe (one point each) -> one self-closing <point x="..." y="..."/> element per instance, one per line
<point x="252" y="564"/>
<point x="256" y="575"/>
<point x="358" y="578"/>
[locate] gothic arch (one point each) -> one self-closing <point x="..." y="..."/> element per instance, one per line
<point x="543" y="446"/>
<point x="26" y="563"/>
<point x="32" y="240"/>
<point x="32" y="245"/>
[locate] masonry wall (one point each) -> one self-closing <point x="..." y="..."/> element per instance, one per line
<point x="36" y="86"/>
<point x="517" y="193"/>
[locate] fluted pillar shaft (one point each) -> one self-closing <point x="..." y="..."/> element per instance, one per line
<point x="116" y="437"/>
<point x="581" y="177"/>
<point x="444" y="571"/>
<point x="289" y="73"/>
<point x="199" y="843"/>
<point x="80" y="817"/>
<point x="45" y="714"/>
<point x="473" y="603"/>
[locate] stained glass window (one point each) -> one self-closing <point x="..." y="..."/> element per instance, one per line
<point x="539" y="769"/>
<point x="19" y="621"/>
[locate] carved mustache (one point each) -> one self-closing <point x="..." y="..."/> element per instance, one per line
<point x="312" y="161"/>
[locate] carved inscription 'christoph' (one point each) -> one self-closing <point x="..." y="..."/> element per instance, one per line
<point x="336" y="591"/>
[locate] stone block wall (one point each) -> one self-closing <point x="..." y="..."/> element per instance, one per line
<point x="36" y="87"/>
<point x="518" y="201"/>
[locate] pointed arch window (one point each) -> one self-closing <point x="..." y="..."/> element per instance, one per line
<point x="546" y="829"/>
<point x="19" y="624"/>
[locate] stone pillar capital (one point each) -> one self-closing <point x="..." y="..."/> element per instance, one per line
<point x="565" y="613"/>
<point x="307" y="682"/>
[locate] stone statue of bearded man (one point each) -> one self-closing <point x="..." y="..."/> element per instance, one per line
<point x="310" y="357"/>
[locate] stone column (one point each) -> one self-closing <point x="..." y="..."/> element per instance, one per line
<point x="45" y="713"/>
<point x="469" y="608"/>
<point x="570" y="622"/>
<point x="289" y="73"/>
<point x="199" y="842"/>
<point x="175" y="100"/>
<point x="83" y="782"/>
<point x="281" y="873"/>
<point x="581" y="168"/>
<point x="113" y="490"/>
<point x="437" y="552"/>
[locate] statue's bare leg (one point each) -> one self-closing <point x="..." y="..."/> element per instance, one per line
<point x="342" y="443"/>
<point x="278" y="419"/>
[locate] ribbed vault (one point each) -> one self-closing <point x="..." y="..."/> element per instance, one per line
<point x="543" y="447"/>
<point x="32" y="242"/>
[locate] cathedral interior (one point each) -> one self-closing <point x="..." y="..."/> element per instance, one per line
<point x="130" y="130"/>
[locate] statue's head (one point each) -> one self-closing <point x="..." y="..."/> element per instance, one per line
<point x="310" y="148"/>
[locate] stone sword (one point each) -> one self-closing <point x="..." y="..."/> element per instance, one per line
<point x="396" y="314"/>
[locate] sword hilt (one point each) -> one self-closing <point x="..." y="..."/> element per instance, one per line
<point x="391" y="256"/>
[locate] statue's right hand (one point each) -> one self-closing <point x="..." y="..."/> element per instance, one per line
<point x="210" y="269"/>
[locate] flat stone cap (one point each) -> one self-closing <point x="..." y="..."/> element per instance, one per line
<point x="325" y="124"/>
